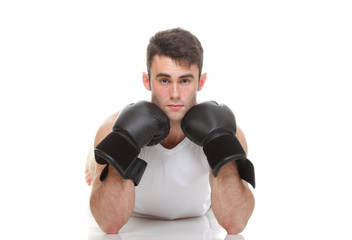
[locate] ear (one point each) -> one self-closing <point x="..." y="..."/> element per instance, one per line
<point x="146" y="81"/>
<point x="202" y="80"/>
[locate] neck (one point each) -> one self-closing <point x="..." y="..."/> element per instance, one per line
<point x="175" y="136"/>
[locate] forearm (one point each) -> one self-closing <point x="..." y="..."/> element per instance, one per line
<point x="112" y="201"/>
<point x="232" y="200"/>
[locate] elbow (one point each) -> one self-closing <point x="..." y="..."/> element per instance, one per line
<point x="109" y="224"/>
<point x="110" y="228"/>
<point x="235" y="227"/>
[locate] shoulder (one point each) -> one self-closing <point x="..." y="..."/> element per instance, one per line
<point x="240" y="136"/>
<point x="105" y="128"/>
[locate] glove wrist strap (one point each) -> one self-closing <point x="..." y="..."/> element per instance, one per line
<point x="225" y="149"/>
<point x="118" y="151"/>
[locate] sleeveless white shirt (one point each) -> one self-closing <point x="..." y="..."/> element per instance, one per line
<point x="175" y="183"/>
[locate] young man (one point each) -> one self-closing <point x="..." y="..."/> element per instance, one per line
<point x="171" y="158"/>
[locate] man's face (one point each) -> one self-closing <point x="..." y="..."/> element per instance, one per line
<point x="173" y="85"/>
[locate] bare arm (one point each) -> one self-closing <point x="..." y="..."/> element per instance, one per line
<point x="112" y="200"/>
<point x="232" y="200"/>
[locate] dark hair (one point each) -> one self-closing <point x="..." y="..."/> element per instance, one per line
<point x="178" y="44"/>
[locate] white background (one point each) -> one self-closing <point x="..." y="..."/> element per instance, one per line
<point x="284" y="67"/>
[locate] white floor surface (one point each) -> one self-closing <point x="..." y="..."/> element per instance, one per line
<point x="204" y="227"/>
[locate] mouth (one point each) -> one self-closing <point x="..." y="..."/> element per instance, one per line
<point x="175" y="106"/>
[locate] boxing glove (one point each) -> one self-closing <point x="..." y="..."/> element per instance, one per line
<point x="138" y="125"/>
<point x="213" y="127"/>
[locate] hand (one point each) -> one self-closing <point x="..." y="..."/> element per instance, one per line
<point x="138" y="125"/>
<point x="213" y="127"/>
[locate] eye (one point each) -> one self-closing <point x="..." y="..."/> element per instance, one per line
<point x="185" y="81"/>
<point x="164" y="80"/>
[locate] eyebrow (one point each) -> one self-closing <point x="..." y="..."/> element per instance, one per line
<point x="168" y="76"/>
<point x="187" y="76"/>
<point x="163" y="75"/>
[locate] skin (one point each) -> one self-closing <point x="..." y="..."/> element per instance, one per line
<point x="173" y="86"/>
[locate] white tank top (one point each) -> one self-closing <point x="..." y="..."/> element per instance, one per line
<point x="175" y="183"/>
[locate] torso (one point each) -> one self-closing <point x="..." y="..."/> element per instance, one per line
<point x="175" y="183"/>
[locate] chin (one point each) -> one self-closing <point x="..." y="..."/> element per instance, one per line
<point x="175" y="117"/>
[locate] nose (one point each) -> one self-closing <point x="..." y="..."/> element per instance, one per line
<point x="175" y="91"/>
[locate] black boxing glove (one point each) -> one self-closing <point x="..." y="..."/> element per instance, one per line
<point x="136" y="126"/>
<point x="213" y="127"/>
